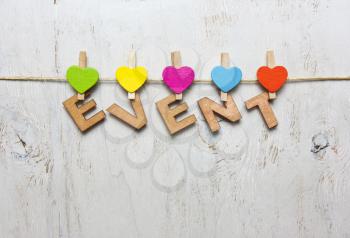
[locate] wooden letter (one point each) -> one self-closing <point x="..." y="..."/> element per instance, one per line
<point x="262" y="101"/>
<point x="77" y="113"/>
<point x="137" y="121"/>
<point x="228" y="111"/>
<point x="168" y="114"/>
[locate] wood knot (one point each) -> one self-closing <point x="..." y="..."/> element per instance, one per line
<point x="319" y="142"/>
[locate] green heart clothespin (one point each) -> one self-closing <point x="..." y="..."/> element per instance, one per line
<point x="82" y="78"/>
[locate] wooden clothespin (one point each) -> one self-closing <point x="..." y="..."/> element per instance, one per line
<point x="176" y="77"/>
<point x="82" y="64"/>
<point x="176" y="62"/>
<point x="225" y="62"/>
<point x="132" y="64"/>
<point x="270" y="59"/>
<point x="272" y="77"/>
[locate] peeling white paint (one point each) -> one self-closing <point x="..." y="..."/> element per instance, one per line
<point x="245" y="181"/>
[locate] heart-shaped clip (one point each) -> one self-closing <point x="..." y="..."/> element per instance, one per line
<point x="131" y="78"/>
<point x="272" y="77"/>
<point x="80" y="77"/>
<point x="178" y="78"/>
<point x="225" y="77"/>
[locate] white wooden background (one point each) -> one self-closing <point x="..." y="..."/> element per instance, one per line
<point x="245" y="181"/>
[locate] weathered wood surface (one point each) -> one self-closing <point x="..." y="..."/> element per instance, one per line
<point x="245" y="181"/>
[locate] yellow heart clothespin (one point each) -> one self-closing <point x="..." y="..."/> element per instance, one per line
<point x="131" y="78"/>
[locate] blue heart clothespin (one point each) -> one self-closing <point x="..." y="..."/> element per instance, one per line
<point x="226" y="77"/>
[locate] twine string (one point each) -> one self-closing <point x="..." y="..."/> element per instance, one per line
<point x="155" y="81"/>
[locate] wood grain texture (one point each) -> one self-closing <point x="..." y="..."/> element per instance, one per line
<point x="82" y="64"/>
<point x="228" y="111"/>
<point x="176" y="61"/>
<point x="138" y="120"/>
<point x="170" y="114"/>
<point x="244" y="181"/>
<point x="271" y="62"/>
<point x="225" y="62"/>
<point x="261" y="102"/>
<point x="78" y="112"/>
<point x="132" y="64"/>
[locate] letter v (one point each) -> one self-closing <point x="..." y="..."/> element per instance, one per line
<point x="137" y="121"/>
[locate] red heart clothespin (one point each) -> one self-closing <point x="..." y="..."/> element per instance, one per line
<point x="272" y="77"/>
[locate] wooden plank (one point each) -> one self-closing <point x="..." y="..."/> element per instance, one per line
<point x="245" y="181"/>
